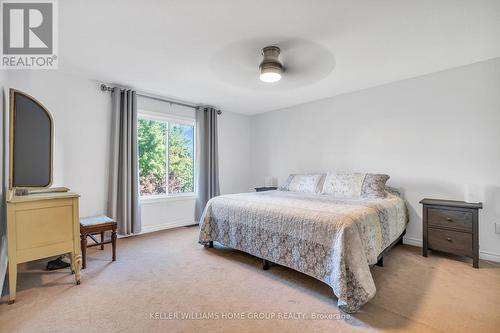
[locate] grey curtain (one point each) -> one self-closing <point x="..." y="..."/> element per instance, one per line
<point x="123" y="198"/>
<point x="207" y="185"/>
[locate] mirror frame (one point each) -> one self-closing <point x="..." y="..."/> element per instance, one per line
<point x="12" y="93"/>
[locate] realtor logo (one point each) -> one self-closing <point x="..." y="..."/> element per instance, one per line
<point x="29" y="34"/>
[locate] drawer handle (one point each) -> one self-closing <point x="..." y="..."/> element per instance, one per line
<point x="449" y="219"/>
<point x="449" y="239"/>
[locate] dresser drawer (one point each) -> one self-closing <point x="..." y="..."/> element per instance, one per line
<point x="450" y="219"/>
<point x="450" y="241"/>
<point x="36" y="228"/>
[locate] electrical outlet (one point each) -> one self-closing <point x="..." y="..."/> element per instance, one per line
<point x="497" y="227"/>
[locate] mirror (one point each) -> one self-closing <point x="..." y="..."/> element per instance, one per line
<point x="31" y="141"/>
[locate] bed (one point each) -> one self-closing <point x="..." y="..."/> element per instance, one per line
<point x="334" y="240"/>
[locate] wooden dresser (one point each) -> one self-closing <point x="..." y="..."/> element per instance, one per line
<point x="452" y="227"/>
<point x="40" y="226"/>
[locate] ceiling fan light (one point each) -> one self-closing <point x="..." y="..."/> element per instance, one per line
<point x="270" y="76"/>
<point x="270" y="68"/>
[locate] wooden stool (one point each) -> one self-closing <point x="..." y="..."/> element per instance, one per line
<point x="90" y="226"/>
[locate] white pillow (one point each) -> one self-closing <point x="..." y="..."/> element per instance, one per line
<point x="284" y="186"/>
<point x="355" y="185"/>
<point x="306" y="183"/>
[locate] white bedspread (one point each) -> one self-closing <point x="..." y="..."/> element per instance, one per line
<point x="333" y="240"/>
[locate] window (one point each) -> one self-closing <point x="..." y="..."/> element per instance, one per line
<point x="166" y="156"/>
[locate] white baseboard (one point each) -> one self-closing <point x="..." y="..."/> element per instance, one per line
<point x="168" y="225"/>
<point x="3" y="261"/>
<point x="412" y="241"/>
<point x="163" y="226"/>
<point x="482" y="254"/>
<point x="489" y="256"/>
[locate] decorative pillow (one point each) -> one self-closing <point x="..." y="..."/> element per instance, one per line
<point x="314" y="183"/>
<point x="306" y="183"/>
<point x="355" y="185"/>
<point x="374" y="186"/>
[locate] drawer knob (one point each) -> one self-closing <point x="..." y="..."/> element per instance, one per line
<point x="449" y="239"/>
<point x="449" y="219"/>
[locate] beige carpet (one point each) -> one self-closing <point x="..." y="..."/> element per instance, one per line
<point x="168" y="273"/>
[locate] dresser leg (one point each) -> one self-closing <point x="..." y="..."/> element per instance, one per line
<point x="78" y="261"/>
<point x="72" y="263"/>
<point x="12" y="281"/>
<point x="424" y="251"/>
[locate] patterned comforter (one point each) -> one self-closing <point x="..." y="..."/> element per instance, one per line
<point x="332" y="240"/>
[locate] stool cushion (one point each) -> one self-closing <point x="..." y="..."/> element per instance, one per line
<point x="94" y="220"/>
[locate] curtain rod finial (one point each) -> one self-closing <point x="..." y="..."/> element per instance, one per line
<point x="106" y="88"/>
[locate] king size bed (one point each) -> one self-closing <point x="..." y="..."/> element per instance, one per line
<point x="333" y="238"/>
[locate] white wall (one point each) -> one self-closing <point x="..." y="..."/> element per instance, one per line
<point x="82" y="117"/>
<point x="235" y="153"/>
<point x="437" y="136"/>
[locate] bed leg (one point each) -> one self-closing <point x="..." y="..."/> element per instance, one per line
<point x="380" y="262"/>
<point x="400" y="241"/>
<point x="265" y="264"/>
<point x="210" y="244"/>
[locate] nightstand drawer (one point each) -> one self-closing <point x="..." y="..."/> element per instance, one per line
<point x="455" y="219"/>
<point x="450" y="241"/>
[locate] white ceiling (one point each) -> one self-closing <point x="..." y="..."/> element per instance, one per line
<point x="209" y="51"/>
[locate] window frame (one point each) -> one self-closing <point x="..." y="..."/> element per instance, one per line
<point x="176" y="119"/>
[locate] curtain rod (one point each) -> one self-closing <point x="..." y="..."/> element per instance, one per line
<point x="105" y="87"/>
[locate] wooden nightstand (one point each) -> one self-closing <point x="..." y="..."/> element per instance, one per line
<point x="452" y="227"/>
<point x="265" y="188"/>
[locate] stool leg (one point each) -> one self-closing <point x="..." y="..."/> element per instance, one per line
<point x="113" y="243"/>
<point x="102" y="240"/>
<point x="83" y="243"/>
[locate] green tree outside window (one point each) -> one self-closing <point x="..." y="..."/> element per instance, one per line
<point x="153" y="137"/>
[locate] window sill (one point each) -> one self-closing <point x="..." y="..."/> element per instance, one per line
<point x="166" y="198"/>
